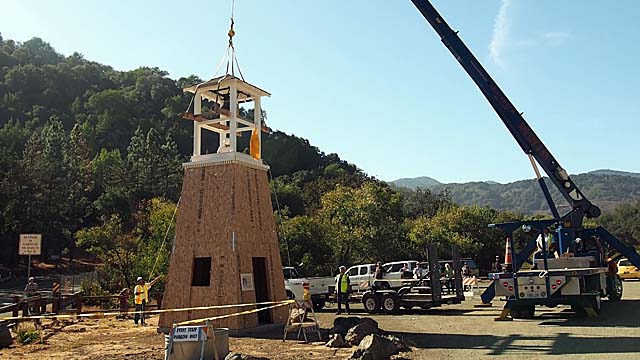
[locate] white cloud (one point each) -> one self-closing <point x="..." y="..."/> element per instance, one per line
<point x="556" y="38"/>
<point x="501" y="26"/>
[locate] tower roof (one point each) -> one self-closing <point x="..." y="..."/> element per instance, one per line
<point x="218" y="87"/>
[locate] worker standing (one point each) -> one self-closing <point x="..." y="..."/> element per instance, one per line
<point x="547" y="237"/>
<point x="31" y="289"/>
<point x="342" y="286"/>
<point x="378" y="276"/>
<point x="141" y="293"/>
<point x="496" y="267"/>
<point x="448" y="277"/>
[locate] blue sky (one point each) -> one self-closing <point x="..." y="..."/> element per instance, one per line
<point x="371" y="81"/>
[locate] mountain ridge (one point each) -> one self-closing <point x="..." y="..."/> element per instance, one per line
<point x="604" y="187"/>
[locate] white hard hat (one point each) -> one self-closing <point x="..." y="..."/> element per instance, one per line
<point x="139" y="278"/>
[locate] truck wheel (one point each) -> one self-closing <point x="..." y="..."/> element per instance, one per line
<point x="390" y="303"/>
<point x="614" y="288"/>
<point x="371" y="302"/>
<point x="319" y="304"/>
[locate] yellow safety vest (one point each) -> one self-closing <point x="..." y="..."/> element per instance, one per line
<point x="344" y="283"/>
<point x="142" y="293"/>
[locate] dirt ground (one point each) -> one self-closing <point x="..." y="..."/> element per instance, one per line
<point x="449" y="332"/>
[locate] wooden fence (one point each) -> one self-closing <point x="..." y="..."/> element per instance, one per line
<point x="73" y="304"/>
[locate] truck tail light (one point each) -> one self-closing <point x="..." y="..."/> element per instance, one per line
<point x="505" y="284"/>
<point x="510" y="288"/>
<point x="554" y="286"/>
<point x="558" y="282"/>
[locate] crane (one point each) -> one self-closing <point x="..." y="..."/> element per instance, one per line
<point x="549" y="284"/>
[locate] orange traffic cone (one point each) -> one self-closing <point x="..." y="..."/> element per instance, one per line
<point x="508" y="261"/>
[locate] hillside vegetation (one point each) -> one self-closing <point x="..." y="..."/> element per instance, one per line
<point x="605" y="188"/>
<point x="91" y="157"/>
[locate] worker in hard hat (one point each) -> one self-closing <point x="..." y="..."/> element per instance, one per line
<point x="343" y="286"/>
<point x="141" y="293"/>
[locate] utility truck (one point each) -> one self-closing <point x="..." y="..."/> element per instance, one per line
<point x="318" y="287"/>
<point x="581" y="270"/>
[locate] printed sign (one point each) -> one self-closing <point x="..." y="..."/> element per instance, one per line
<point x="190" y="333"/>
<point x="246" y="281"/>
<point x="30" y="244"/>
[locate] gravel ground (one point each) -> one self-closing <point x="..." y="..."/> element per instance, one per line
<point x="450" y="332"/>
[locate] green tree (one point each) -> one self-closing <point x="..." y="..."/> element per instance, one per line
<point x="307" y="240"/>
<point x="367" y="223"/>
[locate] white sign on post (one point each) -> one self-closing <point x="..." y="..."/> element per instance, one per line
<point x="189" y="333"/>
<point x="30" y="244"/>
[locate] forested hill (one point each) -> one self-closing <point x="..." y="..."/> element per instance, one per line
<point x="605" y="188"/>
<point x="81" y="142"/>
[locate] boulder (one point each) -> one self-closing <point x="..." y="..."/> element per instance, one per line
<point x="401" y="346"/>
<point x="341" y="325"/>
<point x="358" y="332"/>
<point x="374" y="347"/>
<point x="336" y="341"/>
<point x="5" y="335"/>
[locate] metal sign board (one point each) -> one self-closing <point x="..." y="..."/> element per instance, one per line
<point x="30" y="244"/>
<point x="190" y="333"/>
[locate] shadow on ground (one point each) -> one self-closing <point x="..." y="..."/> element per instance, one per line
<point x="559" y="344"/>
<point x="623" y="313"/>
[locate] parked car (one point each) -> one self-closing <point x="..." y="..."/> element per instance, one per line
<point x="626" y="270"/>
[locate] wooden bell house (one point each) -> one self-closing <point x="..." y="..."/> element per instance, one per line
<point x="226" y="248"/>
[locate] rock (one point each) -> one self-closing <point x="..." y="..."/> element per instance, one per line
<point x="238" y="356"/>
<point x="5" y="336"/>
<point x="374" y="347"/>
<point x="341" y="325"/>
<point x="358" y="332"/>
<point x="336" y="341"/>
<point x="401" y="346"/>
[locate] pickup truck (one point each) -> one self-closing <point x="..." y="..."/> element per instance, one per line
<point x="318" y="286"/>
<point x="362" y="276"/>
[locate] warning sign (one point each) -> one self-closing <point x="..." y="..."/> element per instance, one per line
<point x="30" y="244"/>
<point x="190" y="333"/>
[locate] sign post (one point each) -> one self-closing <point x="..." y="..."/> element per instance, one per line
<point x="30" y="244"/>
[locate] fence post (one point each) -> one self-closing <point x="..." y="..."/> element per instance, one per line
<point x="79" y="303"/>
<point x="55" y="306"/>
<point x="25" y="308"/>
<point x="16" y="308"/>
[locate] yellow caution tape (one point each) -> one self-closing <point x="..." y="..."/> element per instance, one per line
<point x="118" y="312"/>
<point x="187" y="322"/>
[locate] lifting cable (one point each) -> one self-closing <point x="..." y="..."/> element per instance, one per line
<point x="275" y="195"/>
<point x="166" y="234"/>
<point x="230" y="53"/>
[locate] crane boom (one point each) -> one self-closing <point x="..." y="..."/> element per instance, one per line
<point x="512" y="119"/>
